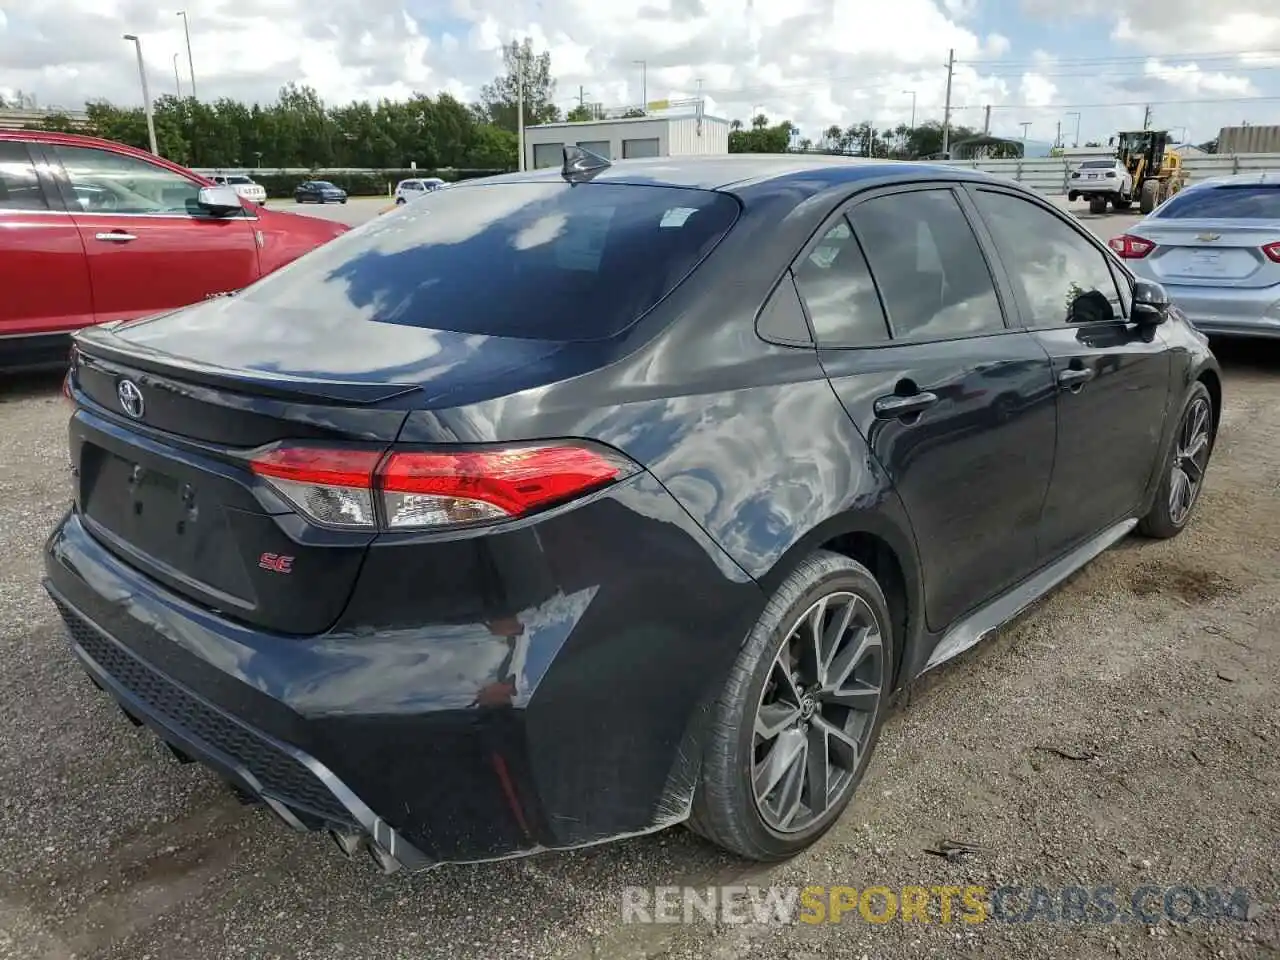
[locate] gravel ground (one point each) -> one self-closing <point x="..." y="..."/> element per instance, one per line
<point x="1124" y="731"/>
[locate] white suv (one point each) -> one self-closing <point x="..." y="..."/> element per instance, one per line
<point x="1101" y="182"/>
<point x="407" y="190"/>
<point x="244" y="186"/>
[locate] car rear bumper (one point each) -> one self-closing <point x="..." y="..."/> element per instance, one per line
<point x="1225" y="311"/>
<point x="429" y="745"/>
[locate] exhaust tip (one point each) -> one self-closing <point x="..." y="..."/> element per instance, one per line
<point x="349" y="843"/>
<point x="385" y="861"/>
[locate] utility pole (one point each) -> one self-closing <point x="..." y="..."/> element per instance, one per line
<point x="520" y="105"/>
<point x="1146" y="118"/>
<point x="1057" y="140"/>
<point x="582" y="98"/>
<point x="1025" y="124"/>
<point x="191" y="64"/>
<point x="146" y="93"/>
<point x="644" y="84"/>
<point x="946" y="111"/>
<point x="913" y="107"/>
<point x="986" y="121"/>
<point x="1076" y="114"/>
<point x="177" y="81"/>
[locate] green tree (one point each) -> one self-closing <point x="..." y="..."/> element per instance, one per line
<point x="761" y="138"/>
<point x="499" y="99"/>
<point x="579" y="114"/>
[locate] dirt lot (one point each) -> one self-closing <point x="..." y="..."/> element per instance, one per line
<point x="1125" y="731"/>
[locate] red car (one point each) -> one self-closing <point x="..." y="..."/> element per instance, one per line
<point x="93" y="231"/>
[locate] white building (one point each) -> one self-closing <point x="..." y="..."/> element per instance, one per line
<point x="683" y="135"/>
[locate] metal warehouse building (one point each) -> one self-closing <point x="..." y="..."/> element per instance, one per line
<point x="682" y="135"/>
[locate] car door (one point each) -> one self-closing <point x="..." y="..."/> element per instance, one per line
<point x="956" y="405"/>
<point x="150" y="247"/>
<point x="44" y="275"/>
<point x="1112" y="377"/>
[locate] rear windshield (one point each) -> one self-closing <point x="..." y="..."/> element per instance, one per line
<point x="1254" y="201"/>
<point x="238" y="180"/>
<point x="1097" y="165"/>
<point x="546" y="261"/>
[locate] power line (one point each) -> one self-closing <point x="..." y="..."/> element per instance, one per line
<point x="1216" y="55"/>
<point x="1128" y="103"/>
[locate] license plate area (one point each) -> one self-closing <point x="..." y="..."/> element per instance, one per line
<point x="162" y="518"/>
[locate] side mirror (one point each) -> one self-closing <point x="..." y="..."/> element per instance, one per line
<point x="1150" y="303"/>
<point x="220" y="201"/>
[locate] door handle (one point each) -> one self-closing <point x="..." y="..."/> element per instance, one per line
<point x="115" y="236"/>
<point x="1074" y="378"/>
<point x="897" y="405"/>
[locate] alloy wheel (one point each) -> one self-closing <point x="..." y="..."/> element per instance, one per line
<point x="816" y="712"/>
<point x="1190" y="458"/>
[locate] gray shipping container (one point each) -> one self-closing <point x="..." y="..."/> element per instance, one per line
<point x="1249" y="140"/>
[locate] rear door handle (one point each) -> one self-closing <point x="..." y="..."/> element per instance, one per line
<point x="115" y="236"/>
<point x="897" y="405"/>
<point x="1075" y="377"/>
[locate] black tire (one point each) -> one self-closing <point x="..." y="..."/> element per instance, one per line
<point x="1147" y="198"/>
<point x="1122" y="204"/>
<point x="1097" y="204"/>
<point x="1162" y="520"/>
<point x="725" y="810"/>
<point x="343" y="200"/>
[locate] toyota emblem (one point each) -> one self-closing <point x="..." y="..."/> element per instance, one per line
<point x="130" y="398"/>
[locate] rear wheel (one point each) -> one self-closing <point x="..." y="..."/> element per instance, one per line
<point x="1097" y="204"/>
<point x="1122" y="204"/>
<point x="1184" y="468"/>
<point x="1150" y="194"/>
<point x="792" y="731"/>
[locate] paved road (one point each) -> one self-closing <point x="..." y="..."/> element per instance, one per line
<point x="1123" y="732"/>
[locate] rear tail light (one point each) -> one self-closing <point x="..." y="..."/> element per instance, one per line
<point x="1128" y="247"/>
<point x="431" y="490"/>
<point x="1272" y="250"/>
<point x="1111" y="174"/>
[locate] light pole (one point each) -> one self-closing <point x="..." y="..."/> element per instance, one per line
<point x="191" y="64"/>
<point x="177" y="81"/>
<point x="520" y="105"/>
<point x="146" y="93"/>
<point x="644" y="84"/>
<point x="1076" y="114"/>
<point x="1024" y="125"/>
<point x="913" y="107"/>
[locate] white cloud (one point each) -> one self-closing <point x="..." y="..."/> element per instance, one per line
<point x="817" y="62"/>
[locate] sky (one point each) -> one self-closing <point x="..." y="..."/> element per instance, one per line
<point x="816" y="62"/>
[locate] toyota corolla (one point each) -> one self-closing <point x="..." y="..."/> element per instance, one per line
<point x="570" y="505"/>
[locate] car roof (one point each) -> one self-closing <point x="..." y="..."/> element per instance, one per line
<point x="734" y="173"/>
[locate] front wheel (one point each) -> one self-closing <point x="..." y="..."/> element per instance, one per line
<point x="1184" y="468"/>
<point x="1097" y="204"/>
<point x="793" y="729"/>
<point x="1149" y="196"/>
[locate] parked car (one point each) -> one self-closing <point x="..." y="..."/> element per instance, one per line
<point x="244" y="185"/>
<point x="1216" y="246"/>
<point x="1101" y="182"/>
<point x="419" y="187"/>
<point x="468" y="537"/>
<point x="93" y="231"/>
<point x="318" y="191"/>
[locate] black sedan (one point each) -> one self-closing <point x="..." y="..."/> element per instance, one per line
<point x="318" y="191"/>
<point x="574" y="504"/>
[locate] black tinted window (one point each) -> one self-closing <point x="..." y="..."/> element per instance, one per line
<point x="549" y="261"/>
<point x="839" y="292"/>
<point x="19" y="188"/>
<point x="1063" y="277"/>
<point x="1251" y="202"/>
<point x="928" y="266"/>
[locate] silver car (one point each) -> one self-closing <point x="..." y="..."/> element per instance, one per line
<point x="1215" y="247"/>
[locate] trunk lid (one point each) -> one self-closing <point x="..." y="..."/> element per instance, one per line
<point x="1219" y="252"/>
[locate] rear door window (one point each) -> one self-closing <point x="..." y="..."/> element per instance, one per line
<point x="547" y="261"/>
<point x="1258" y="201"/>
<point x="926" y="261"/>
